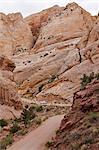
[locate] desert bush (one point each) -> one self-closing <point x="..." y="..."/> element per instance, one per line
<point x="39" y="108"/>
<point x="3" y="123"/>
<point x="8" y="140"/>
<point x="17" y="120"/>
<point x="15" y="128"/>
<point x="27" y="115"/>
<point x="87" y="79"/>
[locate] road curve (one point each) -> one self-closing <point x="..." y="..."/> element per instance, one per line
<point x="36" y="139"/>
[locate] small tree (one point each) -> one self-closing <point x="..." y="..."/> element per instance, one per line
<point x="27" y="115"/>
<point x="3" y="123"/>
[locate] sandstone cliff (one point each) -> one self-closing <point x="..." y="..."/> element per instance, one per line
<point x="66" y="46"/>
<point x="80" y="128"/>
<point x="8" y="91"/>
<point x="51" y="50"/>
<point x="43" y="58"/>
<point x="15" y="34"/>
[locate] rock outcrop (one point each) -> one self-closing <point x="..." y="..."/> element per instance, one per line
<point x="66" y="47"/>
<point x="51" y="50"/>
<point x="7" y="112"/>
<point x="80" y="128"/>
<point x="43" y="58"/>
<point x="8" y="91"/>
<point x="15" y="34"/>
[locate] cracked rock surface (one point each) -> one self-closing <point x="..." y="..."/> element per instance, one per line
<point x="51" y="50"/>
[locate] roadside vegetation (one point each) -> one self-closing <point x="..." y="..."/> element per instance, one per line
<point x="31" y="117"/>
<point x="86" y="79"/>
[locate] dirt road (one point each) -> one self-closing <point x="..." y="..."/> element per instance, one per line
<point x="28" y="101"/>
<point x="37" y="139"/>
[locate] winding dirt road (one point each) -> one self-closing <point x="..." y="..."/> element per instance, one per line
<point x="37" y="139"/>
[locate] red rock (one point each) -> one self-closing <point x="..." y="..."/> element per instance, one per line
<point x="77" y="126"/>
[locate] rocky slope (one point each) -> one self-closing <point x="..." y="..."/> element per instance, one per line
<point x="42" y="59"/>
<point x="80" y="128"/>
<point x="51" y="50"/>
<point x="8" y="91"/>
<point x="15" y="34"/>
<point x="66" y="47"/>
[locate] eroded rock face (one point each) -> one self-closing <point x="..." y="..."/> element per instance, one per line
<point x="66" y="47"/>
<point x="7" y="112"/>
<point x="62" y="43"/>
<point x="39" y="20"/>
<point x="15" y="34"/>
<point x="6" y="64"/>
<point x="61" y="29"/>
<point x="8" y="91"/>
<point x="80" y="128"/>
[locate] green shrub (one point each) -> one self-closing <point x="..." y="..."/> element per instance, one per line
<point x="32" y="109"/>
<point x="39" y="108"/>
<point x="3" y="123"/>
<point x="49" y="144"/>
<point x="6" y="141"/>
<point x="17" y="120"/>
<point x="87" y="79"/>
<point x="15" y="128"/>
<point x="27" y="115"/>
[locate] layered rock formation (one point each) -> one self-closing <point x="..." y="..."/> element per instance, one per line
<point x="15" y="34"/>
<point x="80" y="128"/>
<point x="51" y="50"/>
<point x="66" y="47"/>
<point x="8" y="91"/>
